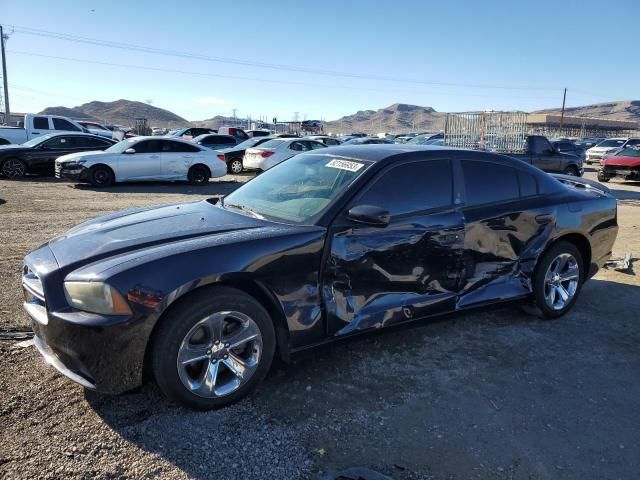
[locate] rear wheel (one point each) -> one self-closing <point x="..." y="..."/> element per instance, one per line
<point x="571" y="170"/>
<point x="198" y="175"/>
<point x="14" y="168"/>
<point x="235" y="166"/>
<point x="101" y="176"/>
<point x="602" y="177"/>
<point x="214" y="349"/>
<point x="558" y="279"/>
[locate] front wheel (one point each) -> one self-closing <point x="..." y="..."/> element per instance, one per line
<point x="558" y="279"/>
<point x="602" y="177"/>
<point x="571" y="170"/>
<point x="214" y="349"/>
<point x="14" y="168"/>
<point x="101" y="176"/>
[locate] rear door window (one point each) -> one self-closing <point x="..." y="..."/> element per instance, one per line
<point x="178" y="147"/>
<point x="41" y="123"/>
<point x="93" y="143"/>
<point x="62" y="124"/>
<point x="487" y="182"/>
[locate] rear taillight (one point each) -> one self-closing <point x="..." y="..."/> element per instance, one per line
<point x="265" y="153"/>
<point x="221" y="157"/>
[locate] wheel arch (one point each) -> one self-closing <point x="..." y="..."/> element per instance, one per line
<point x="200" y="165"/>
<point x="96" y="165"/>
<point x="249" y="286"/>
<point x="4" y="141"/>
<point x="581" y="242"/>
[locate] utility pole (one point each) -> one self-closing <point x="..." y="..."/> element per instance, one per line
<point x="564" y="98"/>
<point x="5" y="86"/>
<point x="235" y="122"/>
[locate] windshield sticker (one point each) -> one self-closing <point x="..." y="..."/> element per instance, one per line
<point x="345" y="165"/>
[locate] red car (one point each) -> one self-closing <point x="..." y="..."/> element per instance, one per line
<point x="623" y="164"/>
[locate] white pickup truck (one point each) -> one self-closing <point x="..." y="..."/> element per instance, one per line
<point x="35" y="125"/>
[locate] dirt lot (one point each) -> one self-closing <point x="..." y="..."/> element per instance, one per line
<point x="492" y="394"/>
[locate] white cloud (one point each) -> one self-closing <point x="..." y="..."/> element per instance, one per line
<point x="212" y="101"/>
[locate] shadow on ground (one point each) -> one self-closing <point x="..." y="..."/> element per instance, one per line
<point x="492" y="393"/>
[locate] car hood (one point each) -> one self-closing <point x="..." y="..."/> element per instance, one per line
<point x="13" y="148"/>
<point x="621" y="161"/>
<point x="601" y="149"/>
<point x="77" y="156"/>
<point x="134" y="229"/>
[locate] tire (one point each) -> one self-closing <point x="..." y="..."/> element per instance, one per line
<point x="235" y="166"/>
<point x="198" y="175"/>
<point x="571" y="170"/>
<point x="602" y="177"/>
<point x="562" y="260"/>
<point x="101" y="176"/>
<point x="229" y="312"/>
<point x="13" y="168"/>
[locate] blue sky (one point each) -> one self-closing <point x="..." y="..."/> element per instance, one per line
<point x="439" y="54"/>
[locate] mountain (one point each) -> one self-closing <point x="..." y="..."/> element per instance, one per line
<point x="628" y="110"/>
<point x="73" y="113"/>
<point x="399" y="117"/>
<point x="123" y="112"/>
<point x="215" y="122"/>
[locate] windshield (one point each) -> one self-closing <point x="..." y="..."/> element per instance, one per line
<point x="629" y="152"/>
<point x="298" y="190"/>
<point x="276" y="142"/>
<point x="120" y="146"/>
<point x="249" y="143"/>
<point x="611" y="143"/>
<point x="419" y="140"/>
<point x="38" y="140"/>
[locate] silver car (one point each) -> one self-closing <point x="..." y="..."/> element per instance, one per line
<point x="276" y="151"/>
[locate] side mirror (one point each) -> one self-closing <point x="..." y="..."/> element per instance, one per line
<point x="130" y="150"/>
<point x="370" y="215"/>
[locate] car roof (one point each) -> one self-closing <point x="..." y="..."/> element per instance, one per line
<point x="155" y="137"/>
<point x="381" y="153"/>
<point x="79" y="134"/>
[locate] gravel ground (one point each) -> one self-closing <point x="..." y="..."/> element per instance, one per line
<point x="489" y="394"/>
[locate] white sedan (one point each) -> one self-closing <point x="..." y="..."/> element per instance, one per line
<point x="143" y="159"/>
<point x="277" y="150"/>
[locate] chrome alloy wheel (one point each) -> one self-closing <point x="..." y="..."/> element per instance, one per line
<point x="13" y="168"/>
<point x="219" y="354"/>
<point x="236" y="166"/>
<point x="561" y="281"/>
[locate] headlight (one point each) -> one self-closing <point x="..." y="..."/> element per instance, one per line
<point x="96" y="297"/>
<point x="74" y="163"/>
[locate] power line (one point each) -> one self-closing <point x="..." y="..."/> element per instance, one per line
<point x="282" y="67"/>
<point x="256" y="79"/>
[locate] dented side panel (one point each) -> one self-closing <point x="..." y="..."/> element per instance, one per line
<point x="375" y="276"/>
<point x="502" y="246"/>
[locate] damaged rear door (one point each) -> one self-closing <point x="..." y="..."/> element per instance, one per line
<point x="508" y="223"/>
<point x="376" y="275"/>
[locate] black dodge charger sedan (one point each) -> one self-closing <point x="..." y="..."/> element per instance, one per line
<point x="328" y="244"/>
<point x="39" y="154"/>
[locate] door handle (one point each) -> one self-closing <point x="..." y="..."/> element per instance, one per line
<point x="153" y="156"/>
<point x="35" y="133"/>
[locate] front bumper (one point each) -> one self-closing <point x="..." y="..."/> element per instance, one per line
<point x="100" y="352"/>
<point x="613" y="171"/>
<point x="76" y="172"/>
